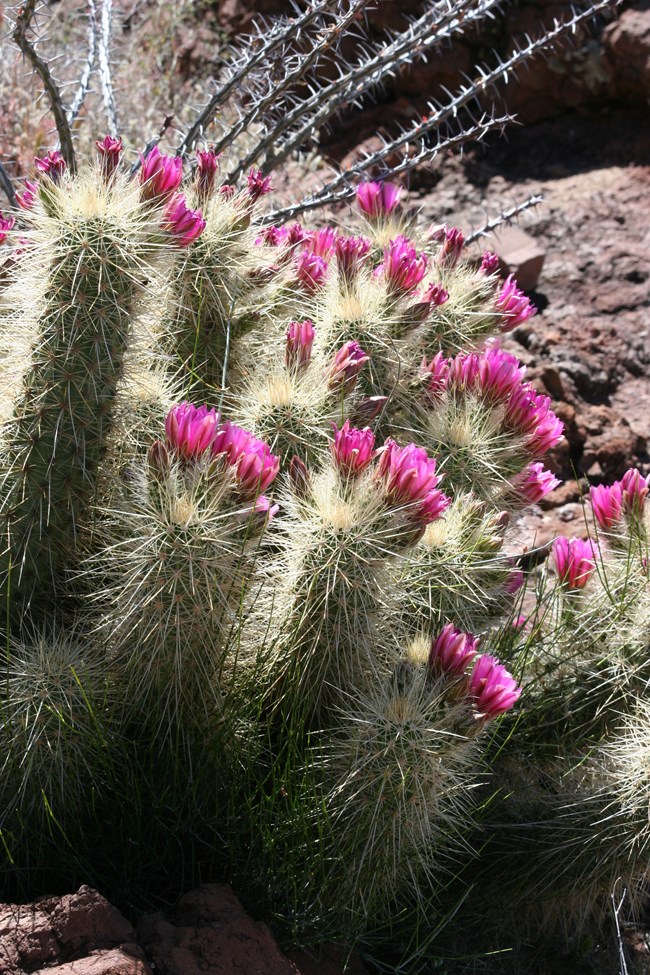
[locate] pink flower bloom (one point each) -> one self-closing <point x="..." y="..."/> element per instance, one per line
<point x="499" y="373"/>
<point x="452" y="651"/>
<point x="256" y="468"/>
<point x="519" y="623"/>
<point x="513" y="305"/>
<point x="183" y="224"/>
<point x="232" y="441"/>
<point x="227" y="192"/>
<point x="296" y="233"/>
<point x="452" y="245"/>
<point x="493" y="688"/>
<point x="534" y="483"/>
<point x="311" y="270"/>
<point x="530" y="415"/>
<point x="264" y="512"/>
<point x="436" y="295"/>
<point x="52" y="165"/>
<point x="514" y="582"/>
<point x="207" y="163"/>
<point x="352" y="449"/>
<point x="607" y="504"/>
<point x="634" y="488"/>
<point x="351" y="253"/>
<point x="409" y="472"/>
<point x="190" y="429"/>
<point x="321" y="242"/>
<point x="346" y="366"/>
<point x="403" y="267"/>
<point x="377" y="200"/>
<point x="160" y="175"/>
<point x="6" y="224"/>
<point x="27" y="198"/>
<point x="300" y="339"/>
<point x="489" y="264"/>
<point x="464" y="370"/>
<point x="273" y="236"/>
<point x="435" y="374"/>
<point x="575" y="561"/>
<point x="257" y="184"/>
<point x="417" y="313"/>
<point x="410" y="478"/>
<point x="110" y="152"/>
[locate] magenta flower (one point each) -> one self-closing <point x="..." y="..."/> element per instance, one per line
<point x="52" y="165"/>
<point x="311" y="270"/>
<point x="207" y="164"/>
<point x="634" y="488"/>
<point x="296" y="233"/>
<point x="530" y="415"/>
<point x="183" y="224"/>
<point x="321" y="242"/>
<point x="232" y="441"/>
<point x="489" y="264"/>
<point x="352" y="449"/>
<point x="6" y="224"/>
<point x="190" y="429"/>
<point x="534" y="483"/>
<point x="514" y="582"/>
<point x="273" y="236"/>
<point x="513" y="305"/>
<point x="464" y="370"/>
<point x="494" y="690"/>
<point x="377" y="200"/>
<point x="346" y="366"/>
<point x="27" y="198"/>
<point x="607" y="504"/>
<point x="257" y="184"/>
<point x="452" y="245"/>
<point x="575" y="561"/>
<point x="435" y="375"/>
<point x="227" y="192"/>
<point x="499" y="373"/>
<point x="431" y="508"/>
<point x="300" y="339"/>
<point x="160" y="175"/>
<point x="435" y="295"/>
<point x="110" y="152"/>
<point x="256" y="468"/>
<point x="351" y="254"/>
<point x="263" y="512"/>
<point x="409" y="472"/>
<point x="452" y="651"/>
<point x="403" y="267"/>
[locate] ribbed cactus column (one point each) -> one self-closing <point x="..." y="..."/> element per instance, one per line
<point x="91" y="246"/>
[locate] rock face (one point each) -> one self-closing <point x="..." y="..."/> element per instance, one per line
<point x="206" y="933"/>
<point x="78" y="934"/>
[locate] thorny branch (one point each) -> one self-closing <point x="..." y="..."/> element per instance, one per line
<point x="105" y="66"/>
<point x="84" y="79"/>
<point x="23" y="25"/>
<point x="504" y="217"/>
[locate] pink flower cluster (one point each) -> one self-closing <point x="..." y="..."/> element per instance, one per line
<point x="529" y="414"/>
<point x="489" y="264"/>
<point x="207" y="164"/>
<point x="377" y="200"/>
<point x="257" y="184"/>
<point x="624" y="497"/>
<point x="351" y="254"/>
<point x="52" y="165"/>
<point x="300" y="339"/>
<point x="311" y="271"/>
<point x="402" y="267"/>
<point x="534" y="483"/>
<point x="575" y="561"/>
<point x="192" y="430"/>
<point x="346" y="366"/>
<point x="410" y="480"/>
<point x="160" y="176"/>
<point x="27" y="198"/>
<point x="452" y="241"/>
<point x="110" y="153"/>
<point x="490" y="687"/>
<point x="183" y="224"/>
<point x="513" y="304"/>
<point x="6" y="224"/>
<point x="352" y="449"/>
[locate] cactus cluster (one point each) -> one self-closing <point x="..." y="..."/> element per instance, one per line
<point x="258" y="481"/>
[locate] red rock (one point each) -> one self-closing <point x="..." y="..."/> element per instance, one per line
<point x="520" y="254"/>
<point x="627" y="44"/>
<point x="209" y="932"/>
<point x="328" y="961"/>
<point x="114" y="961"/>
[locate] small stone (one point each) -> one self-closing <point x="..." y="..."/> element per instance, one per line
<point x="521" y="255"/>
